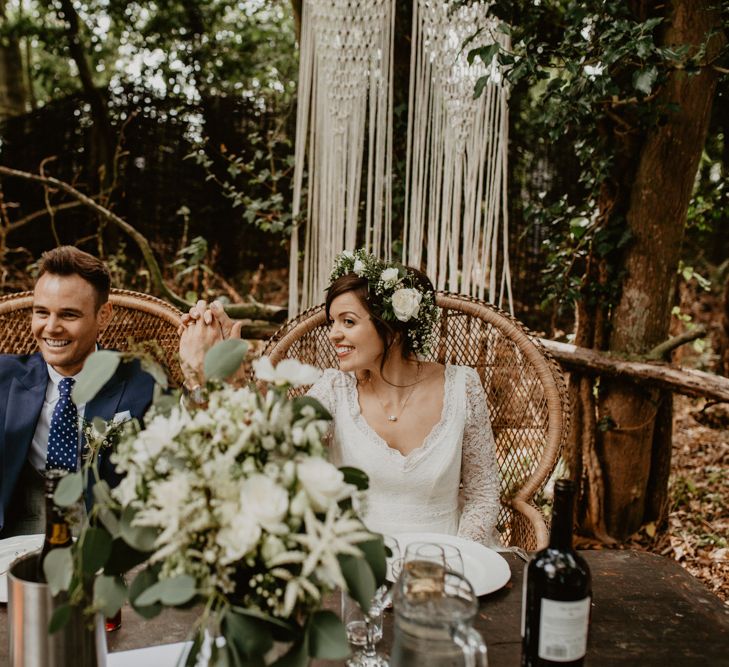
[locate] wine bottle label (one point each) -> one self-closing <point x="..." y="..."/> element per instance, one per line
<point x="563" y="629"/>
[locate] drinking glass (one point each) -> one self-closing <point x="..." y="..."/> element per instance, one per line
<point x="364" y="631"/>
<point x="423" y="570"/>
<point x="453" y="559"/>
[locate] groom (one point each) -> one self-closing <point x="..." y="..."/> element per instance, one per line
<point x="38" y="421"/>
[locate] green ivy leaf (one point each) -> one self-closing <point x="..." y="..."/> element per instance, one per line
<point x="327" y="637"/>
<point x="69" y="490"/>
<point x="110" y="593"/>
<point x="97" y="371"/>
<point x="356" y="477"/>
<point x="643" y="80"/>
<point x="224" y="358"/>
<point x="95" y="550"/>
<point x="58" y="568"/>
<point x="361" y="584"/>
<point x="249" y="636"/>
<point x="60" y="618"/>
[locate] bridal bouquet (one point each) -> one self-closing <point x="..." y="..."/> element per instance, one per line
<point x="232" y="504"/>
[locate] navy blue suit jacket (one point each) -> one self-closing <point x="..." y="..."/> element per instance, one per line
<point x="23" y="382"/>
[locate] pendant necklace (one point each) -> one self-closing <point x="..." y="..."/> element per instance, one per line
<point x="391" y="417"/>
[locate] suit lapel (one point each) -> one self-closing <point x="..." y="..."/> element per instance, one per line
<point x="25" y="401"/>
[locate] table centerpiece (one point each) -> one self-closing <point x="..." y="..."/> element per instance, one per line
<point x="228" y="503"/>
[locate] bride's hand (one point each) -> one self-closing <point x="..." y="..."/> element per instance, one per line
<point x="209" y="314"/>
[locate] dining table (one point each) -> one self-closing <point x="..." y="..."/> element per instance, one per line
<point x="646" y="610"/>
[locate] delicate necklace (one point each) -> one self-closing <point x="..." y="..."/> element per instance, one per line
<point x="391" y="417"/>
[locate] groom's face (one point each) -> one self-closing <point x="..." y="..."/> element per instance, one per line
<point x="66" y="320"/>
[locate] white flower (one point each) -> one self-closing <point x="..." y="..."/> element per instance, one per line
<point x="288" y="371"/>
<point x="237" y="536"/>
<point x="348" y="253"/>
<point x="359" y="267"/>
<point x="406" y="303"/>
<point x="389" y="277"/>
<point x="264" y="501"/>
<point x="324" y="484"/>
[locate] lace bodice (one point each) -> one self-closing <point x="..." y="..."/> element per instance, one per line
<point x="449" y="484"/>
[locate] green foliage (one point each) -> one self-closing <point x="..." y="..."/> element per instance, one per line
<point x="589" y="75"/>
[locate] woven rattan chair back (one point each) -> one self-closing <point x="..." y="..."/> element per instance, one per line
<point x="137" y="318"/>
<point x="525" y="391"/>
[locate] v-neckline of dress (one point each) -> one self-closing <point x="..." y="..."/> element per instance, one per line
<point x="422" y="449"/>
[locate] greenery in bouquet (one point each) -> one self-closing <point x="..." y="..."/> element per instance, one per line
<point x="229" y="504"/>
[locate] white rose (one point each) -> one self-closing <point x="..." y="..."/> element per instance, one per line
<point x="389" y="277"/>
<point x="323" y="483"/>
<point x="272" y="547"/>
<point x="348" y="253"/>
<point x="288" y="371"/>
<point x="237" y="538"/>
<point x="264" y="501"/>
<point x="358" y="267"/>
<point x="406" y="303"/>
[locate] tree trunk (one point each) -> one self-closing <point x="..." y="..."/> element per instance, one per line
<point x="104" y="138"/>
<point x="658" y="200"/>
<point x="13" y="92"/>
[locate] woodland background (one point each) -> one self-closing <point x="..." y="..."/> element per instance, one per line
<point x="178" y="117"/>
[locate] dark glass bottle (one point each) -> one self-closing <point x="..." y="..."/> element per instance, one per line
<point x="58" y="531"/>
<point x="557" y="593"/>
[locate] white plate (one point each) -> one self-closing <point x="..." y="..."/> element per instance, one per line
<point x="483" y="567"/>
<point x="10" y="549"/>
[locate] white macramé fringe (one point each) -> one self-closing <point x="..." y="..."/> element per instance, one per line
<point x="345" y="99"/>
<point x="456" y="217"/>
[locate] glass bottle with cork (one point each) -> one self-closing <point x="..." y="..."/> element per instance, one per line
<point x="58" y="531"/>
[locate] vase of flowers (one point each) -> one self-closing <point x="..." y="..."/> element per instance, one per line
<point x="229" y="503"/>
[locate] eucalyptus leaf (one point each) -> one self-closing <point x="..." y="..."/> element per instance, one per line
<point x="69" y="490"/>
<point x="144" y="580"/>
<point x="110" y="593"/>
<point x="301" y="401"/>
<point x="97" y="371"/>
<point x="224" y="358"/>
<point x="361" y="584"/>
<point x="58" y="568"/>
<point x="171" y="592"/>
<point x="150" y="366"/>
<point x="327" y="636"/>
<point x="100" y="425"/>
<point x="59" y="619"/>
<point x="95" y="550"/>
<point x="141" y="538"/>
<point x="249" y="635"/>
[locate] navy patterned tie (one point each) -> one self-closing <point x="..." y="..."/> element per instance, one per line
<point x="63" y="436"/>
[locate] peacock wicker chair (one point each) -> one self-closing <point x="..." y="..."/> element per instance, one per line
<point x="525" y="391"/>
<point x="137" y="319"/>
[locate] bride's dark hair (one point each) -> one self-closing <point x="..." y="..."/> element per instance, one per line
<point x="388" y="331"/>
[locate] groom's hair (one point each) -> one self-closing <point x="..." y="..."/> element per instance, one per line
<point x="67" y="260"/>
<point x="388" y="331"/>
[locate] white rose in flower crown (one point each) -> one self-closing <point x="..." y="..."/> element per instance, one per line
<point x="265" y="501"/>
<point x="359" y="267"/>
<point x="389" y="277"/>
<point x="323" y="483"/>
<point x="348" y="253"/>
<point x="406" y="303"/>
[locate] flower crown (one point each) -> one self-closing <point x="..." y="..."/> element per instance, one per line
<point x="394" y="294"/>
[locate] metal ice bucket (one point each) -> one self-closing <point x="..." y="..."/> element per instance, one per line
<point x="30" y="607"/>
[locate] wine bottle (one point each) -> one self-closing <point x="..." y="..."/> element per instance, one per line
<point x="58" y="531"/>
<point x="557" y="593"/>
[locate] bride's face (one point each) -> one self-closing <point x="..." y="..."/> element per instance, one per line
<point x="353" y="334"/>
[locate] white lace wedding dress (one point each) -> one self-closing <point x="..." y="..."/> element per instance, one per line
<point x="420" y="491"/>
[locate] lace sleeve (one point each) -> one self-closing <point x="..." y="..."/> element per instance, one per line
<point x="479" y="469"/>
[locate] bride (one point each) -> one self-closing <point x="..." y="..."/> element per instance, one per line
<point x="419" y="429"/>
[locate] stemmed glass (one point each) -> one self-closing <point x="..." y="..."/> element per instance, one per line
<point x="364" y="629"/>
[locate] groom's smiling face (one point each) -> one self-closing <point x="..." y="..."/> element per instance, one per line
<point x="66" y="320"/>
<point x="353" y="334"/>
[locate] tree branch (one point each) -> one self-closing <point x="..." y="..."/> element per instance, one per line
<point x="663" y="350"/>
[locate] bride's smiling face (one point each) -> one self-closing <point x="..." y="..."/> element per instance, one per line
<point x="353" y="334"/>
